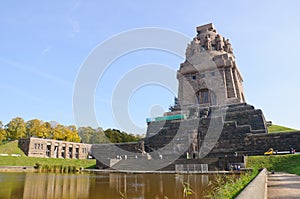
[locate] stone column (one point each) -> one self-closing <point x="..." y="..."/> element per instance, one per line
<point x="74" y="151"/>
<point x="59" y="151"/>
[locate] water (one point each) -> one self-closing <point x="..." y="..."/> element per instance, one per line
<point x="107" y="185"/>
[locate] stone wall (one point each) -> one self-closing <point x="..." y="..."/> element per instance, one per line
<point x="105" y="152"/>
<point x="38" y="147"/>
<point x="238" y="122"/>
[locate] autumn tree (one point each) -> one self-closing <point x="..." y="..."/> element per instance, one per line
<point x="37" y="128"/>
<point x="72" y="134"/>
<point x="16" y="128"/>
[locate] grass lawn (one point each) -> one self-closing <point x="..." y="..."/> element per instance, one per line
<point x="283" y="163"/>
<point x="276" y="128"/>
<point x="30" y="161"/>
<point x="12" y="148"/>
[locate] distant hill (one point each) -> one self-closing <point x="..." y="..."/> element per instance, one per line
<point x="276" y="128"/>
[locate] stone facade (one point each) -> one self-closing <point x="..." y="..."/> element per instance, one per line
<point x="47" y="148"/>
<point x="209" y="76"/>
<point x="237" y="123"/>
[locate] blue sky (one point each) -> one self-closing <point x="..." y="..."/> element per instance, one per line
<point x="43" y="45"/>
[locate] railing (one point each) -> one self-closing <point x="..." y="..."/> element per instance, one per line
<point x="191" y="168"/>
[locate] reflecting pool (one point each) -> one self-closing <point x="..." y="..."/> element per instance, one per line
<point x="105" y="185"/>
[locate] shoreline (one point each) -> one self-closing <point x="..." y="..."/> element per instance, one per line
<point x="98" y="171"/>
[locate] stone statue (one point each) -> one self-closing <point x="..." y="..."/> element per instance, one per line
<point x="207" y="42"/>
<point x="194" y="144"/>
<point x="218" y="43"/>
<point x="228" y="47"/>
<point x="141" y="147"/>
<point x="193" y="47"/>
<point x="188" y="51"/>
<point x="196" y="44"/>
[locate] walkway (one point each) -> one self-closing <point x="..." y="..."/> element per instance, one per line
<point x="283" y="185"/>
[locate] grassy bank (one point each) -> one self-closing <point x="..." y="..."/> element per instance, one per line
<point x="11" y="148"/>
<point x="229" y="186"/>
<point x="30" y="161"/>
<point x="283" y="163"/>
<point x="276" y="128"/>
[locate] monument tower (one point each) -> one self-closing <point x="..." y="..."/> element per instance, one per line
<point x="194" y="75"/>
<point x="210" y="117"/>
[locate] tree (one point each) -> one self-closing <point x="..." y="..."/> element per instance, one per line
<point x="16" y="128"/>
<point x="37" y="128"/>
<point x="71" y="134"/>
<point x="58" y="132"/>
<point x="2" y="132"/>
<point x="116" y="136"/>
<point x="86" y="133"/>
<point x="92" y="136"/>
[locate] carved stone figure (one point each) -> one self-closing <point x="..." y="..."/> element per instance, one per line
<point x="218" y="43"/>
<point x="227" y="46"/>
<point x="207" y="42"/>
<point x="193" y="47"/>
<point x="188" y="51"/>
<point x="197" y="44"/>
<point x="141" y="147"/>
<point x="194" y="144"/>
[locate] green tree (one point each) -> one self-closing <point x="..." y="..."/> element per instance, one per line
<point x="2" y="132"/>
<point x="116" y="136"/>
<point x="92" y="136"/>
<point x="16" y="128"/>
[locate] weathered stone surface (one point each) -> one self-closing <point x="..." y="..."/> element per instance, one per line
<point x="38" y="147"/>
<point x="209" y="59"/>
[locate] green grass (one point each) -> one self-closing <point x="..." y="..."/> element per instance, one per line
<point x="11" y="148"/>
<point x="276" y="128"/>
<point x="23" y="160"/>
<point x="31" y="161"/>
<point x="229" y="186"/>
<point x="282" y="163"/>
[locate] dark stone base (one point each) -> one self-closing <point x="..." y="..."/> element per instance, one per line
<point x="244" y="133"/>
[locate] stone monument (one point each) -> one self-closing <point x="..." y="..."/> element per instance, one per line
<point x="219" y="50"/>
<point x="210" y="122"/>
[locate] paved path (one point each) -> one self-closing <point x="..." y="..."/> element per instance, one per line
<point x="283" y="185"/>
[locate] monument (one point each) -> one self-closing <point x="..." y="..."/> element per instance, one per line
<point x="210" y="123"/>
<point x="208" y="44"/>
<point x="215" y="117"/>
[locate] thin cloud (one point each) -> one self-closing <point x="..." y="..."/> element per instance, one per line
<point x="75" y="25"/>
<point x="46" y="50"/>
<point x="35" y="71"/>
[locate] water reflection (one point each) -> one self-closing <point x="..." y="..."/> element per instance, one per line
<point x="110" y="185"/>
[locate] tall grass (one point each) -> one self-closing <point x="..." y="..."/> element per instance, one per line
<point x="57" y="168"/>
<point x="229" y="186"/>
